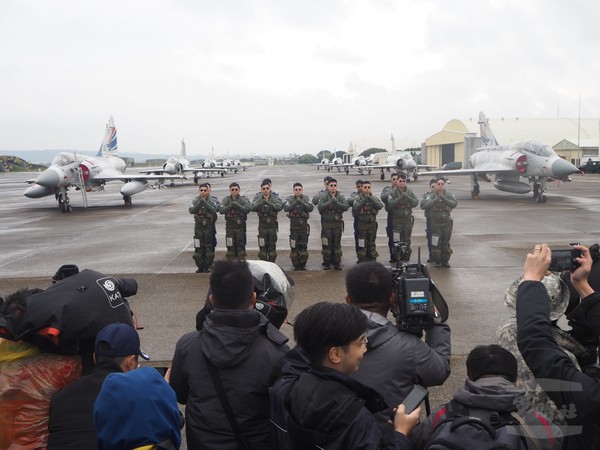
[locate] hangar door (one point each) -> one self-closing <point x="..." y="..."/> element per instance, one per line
<point x="448" y="153"/>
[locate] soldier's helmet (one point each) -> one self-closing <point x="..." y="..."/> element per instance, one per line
<point x="558" y="293"/>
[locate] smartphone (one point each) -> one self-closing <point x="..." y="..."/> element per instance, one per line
<point x="161" y="370"/>
<point x="414" y="398"/>
<point x="564" y="260"/>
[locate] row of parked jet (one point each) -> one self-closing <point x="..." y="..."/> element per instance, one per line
<point x="531" y="160"/>
<point x="91" y="173"/>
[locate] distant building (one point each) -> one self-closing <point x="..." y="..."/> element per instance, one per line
<point x="570" y="138"/>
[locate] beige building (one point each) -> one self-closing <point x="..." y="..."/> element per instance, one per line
<point x="570" y="138"/>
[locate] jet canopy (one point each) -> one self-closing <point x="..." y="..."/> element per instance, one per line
<point x="63" y="159"/>
<point x="536" y="148"/>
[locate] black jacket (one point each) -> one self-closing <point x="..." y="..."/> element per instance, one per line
<point x="316" y="407"/>
<point x="71" y="422"/>
<point x="566" y="385"/>
<point x="248" y="352"/>
<point x="492" y="394"/>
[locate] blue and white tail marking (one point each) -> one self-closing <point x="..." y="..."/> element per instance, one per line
<point x="487" y="137"/>
<point x="109" y="143"/>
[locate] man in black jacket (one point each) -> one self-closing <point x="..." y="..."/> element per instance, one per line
<point x="71" y="422"/>
<point x="244" y="351"/>
<point x="574" y="392"/>
<point x="316" y="404"/>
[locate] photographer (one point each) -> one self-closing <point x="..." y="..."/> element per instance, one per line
<point x="395" y="360"/>
<point x="543" y="355"/>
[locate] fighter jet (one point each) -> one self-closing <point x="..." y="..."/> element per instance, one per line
<point x="533" y="160"/>
<point x="181" y="166"/>
<point x="90" y="173"/>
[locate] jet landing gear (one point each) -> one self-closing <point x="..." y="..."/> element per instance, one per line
<point x="475" y="191"/>
<point x="63" y="201"/>
<point x="127" y="200"/>
<point x="539" y="190"/>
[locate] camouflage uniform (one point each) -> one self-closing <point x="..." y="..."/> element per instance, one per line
<point x="332" y="226"/>
<point x="298" y="209"/>
<point x="365" y="209"/>
<point x="267" y="210"/>
<point x="535" y="398"/>
<point x="400" y="203"/>
<point x="236" y="212"/>
<point x="439" y="207"/>
<point x="205" y="214"/>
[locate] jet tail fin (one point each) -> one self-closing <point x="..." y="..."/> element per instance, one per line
<point x="109" y="143"/>
<point x="183" y="152"/>
<point x="487" y="137"/>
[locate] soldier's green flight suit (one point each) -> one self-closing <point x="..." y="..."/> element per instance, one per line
<point x="205" y="214"/>
<point x="400" y="203"/>
<point x="298" y="209"/>
<point x="235" y="209"/>
<point x="332" y="210"/>
<point x="439" y="207"/>
<point x="365" y="208"/>
<point x="267" y="209"/>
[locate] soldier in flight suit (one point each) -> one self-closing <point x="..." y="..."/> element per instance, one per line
<point x="204" y="210"/>
<point x="439" y="204"/>
<point x="365" y="209"/>
<point x="216" y="200"/>
<point x="389" y="224"/>
<point x="428" y="218"/>
<point x="267" y="204"/>
<point x="235" y="207"/>
<point x="332" y="205"/>
<point x="351" y="199"/>
<point x="400" y="202"/>
<point x="298" y="207"/>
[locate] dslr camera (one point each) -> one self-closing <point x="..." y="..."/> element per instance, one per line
<point x="418" y="301"/>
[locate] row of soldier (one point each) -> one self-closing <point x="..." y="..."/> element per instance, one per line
<point x="397" y="199"/>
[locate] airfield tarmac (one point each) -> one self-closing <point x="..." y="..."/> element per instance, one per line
<point x="151" y="241"/>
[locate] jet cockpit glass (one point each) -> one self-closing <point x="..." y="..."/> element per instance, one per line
<point x="62" y="159"/>
<point x="537" y="148"/>
<point x="171" y="160"/>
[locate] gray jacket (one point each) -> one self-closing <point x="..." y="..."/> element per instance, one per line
<point x="396" y="360"/>
<point x="248" y="352"/>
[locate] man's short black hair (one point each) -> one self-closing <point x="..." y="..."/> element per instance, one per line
<point x="203" y="185"/>
<point x="327" y="179"/>
<point x="324" y="325"/>
<point x="297" y="184"/>
<point x="491" y="360"/>
<point x="234" y="184"/>
<point x="402" y="176"/>
<point x="231" y="284"/>
<point x="432" y="181"/>
<point x="359" y="182"/>
<point x="332" y="180"/>
<point x="369" y="282"/>
<point x="366" y="182"/>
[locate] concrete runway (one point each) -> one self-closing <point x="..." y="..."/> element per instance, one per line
<point x="151" y="241"/>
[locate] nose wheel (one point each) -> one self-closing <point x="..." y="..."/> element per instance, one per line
<point x="63" y="202"/>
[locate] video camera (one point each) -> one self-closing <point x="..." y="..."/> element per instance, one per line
<point x="418" y="301"/>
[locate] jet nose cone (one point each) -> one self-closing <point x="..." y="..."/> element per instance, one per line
<point x="170" y="169"/>
<point x="48" y="178"/>
<point x="562" y="168"/>
<point x="411" y="164"/>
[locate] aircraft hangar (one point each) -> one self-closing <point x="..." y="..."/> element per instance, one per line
<point x="570" y="138"/>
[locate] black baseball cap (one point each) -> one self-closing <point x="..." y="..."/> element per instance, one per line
<point x="121" y="339"/>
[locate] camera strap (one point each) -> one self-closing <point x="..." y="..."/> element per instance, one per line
<point x="216" y="379"/>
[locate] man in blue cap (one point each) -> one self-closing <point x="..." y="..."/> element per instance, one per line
<point x="71" y="422"/>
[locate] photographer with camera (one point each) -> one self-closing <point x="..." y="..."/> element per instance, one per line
<point x="543" y="355"/>
<point x="395" y="360"/>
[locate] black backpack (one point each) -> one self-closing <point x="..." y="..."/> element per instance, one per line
<point x="465" y="428"/>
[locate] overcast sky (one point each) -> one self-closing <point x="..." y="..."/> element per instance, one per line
<point x="283" y="76"/>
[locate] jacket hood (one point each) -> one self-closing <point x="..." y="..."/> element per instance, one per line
<point x="228" y="334"/>
<point x="491" y="393"/>
<point x="377" y="331"/>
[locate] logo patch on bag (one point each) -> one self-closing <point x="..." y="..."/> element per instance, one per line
<point x="109" y="288"/>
